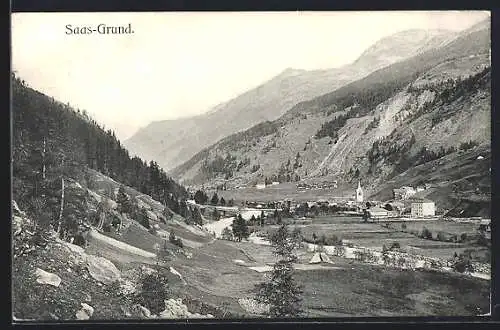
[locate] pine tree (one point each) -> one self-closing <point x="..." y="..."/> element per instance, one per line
<point x="222" y="201"/>
<point x="253" y="220"/>
<point x="215" y="199"/>
<point x="240" y="228"/>
<point x="281" y="292"/>
<point x="123" y="201"/>
<point x="143" y="218"/>
<point x="200" y="197"/>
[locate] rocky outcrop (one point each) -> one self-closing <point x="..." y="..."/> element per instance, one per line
<point x="140" y="312"/>
<point x="175" y="309"/>
<point x="102" y="270"/>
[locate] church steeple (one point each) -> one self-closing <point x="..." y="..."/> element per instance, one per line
<point x="359" y="193"/>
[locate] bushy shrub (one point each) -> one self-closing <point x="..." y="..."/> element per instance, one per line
<point x="227" y="234"/>
<point x="441" y="236"/>
<point x="395" y="246"/>
<point x="175" y="240"/>
<point x="426" y="233"/>
<point x="153" y="292"/>
<point x="463" y="265"/>
<point x="339" y="251"/>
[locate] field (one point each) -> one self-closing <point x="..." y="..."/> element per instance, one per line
<point x="348" y="289"/>
<point x="375" y="235"/>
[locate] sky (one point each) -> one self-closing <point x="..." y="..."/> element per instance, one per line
<point x="182" y="64"/>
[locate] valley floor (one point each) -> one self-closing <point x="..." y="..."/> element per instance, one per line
<point x="216" y="276"/>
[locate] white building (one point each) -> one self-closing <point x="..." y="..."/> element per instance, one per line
<point x="423" y="208"/>
<point x="359" y="193"/>
<point x="260" y="185"/>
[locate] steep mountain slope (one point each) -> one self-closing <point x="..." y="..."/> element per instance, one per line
<point x="83" y="241"/>
<point x="56" y="147"/>
<point x="375" y="129"/>
<point x="172" y="142"/>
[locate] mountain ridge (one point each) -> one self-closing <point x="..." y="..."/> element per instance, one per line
<point x="184" y="137"/>
<point x="445" y="88"/>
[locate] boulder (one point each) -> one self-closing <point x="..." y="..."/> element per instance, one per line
<point x="175" y="309"/>
<point x="75" y="248"/>
<point x="17" y="225"/>
<point x="151" y="216"/>
<point x="102" y="270"/>
<point x="141" y="312"/>
<point x="147" y="270"/>
<point x="175" y="272"/>
<point x="44" y="277"/>
<point x="85" y="313"/>
<point x="16" y="210"/>
<point x="127" y="287"/>
<point x="253" y="306"/>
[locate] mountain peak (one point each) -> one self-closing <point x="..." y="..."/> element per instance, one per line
<point x="482" y="25"/>
<point x="291" y="72"/>
<point x="403" y="44"/>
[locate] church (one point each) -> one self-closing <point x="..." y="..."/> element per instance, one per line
<point x="359" y="193"/>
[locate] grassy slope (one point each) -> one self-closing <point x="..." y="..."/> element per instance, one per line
<point x="363" y="290"/>
<point x="136" y="234"/>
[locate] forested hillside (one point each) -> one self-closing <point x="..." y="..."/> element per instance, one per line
<point x="54" y="144"/>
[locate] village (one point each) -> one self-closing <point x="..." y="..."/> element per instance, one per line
<point x="404" y="206"/>
<point x="410" y="228"/>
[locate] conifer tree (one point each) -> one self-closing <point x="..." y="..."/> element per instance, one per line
<point x="215" y="199"/>
<point x="240" y="228"/>
<point x="123" y="201"/>
<point x="281" y="293"/>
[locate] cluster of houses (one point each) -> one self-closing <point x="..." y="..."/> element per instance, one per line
<point x="317" y="185"/>
<point x="403" y="202"/>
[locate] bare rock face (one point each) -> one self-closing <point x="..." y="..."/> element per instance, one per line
<point x="102" y="270"/>
<point x="44" y="277"/>
<point x="85" y="313"/>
